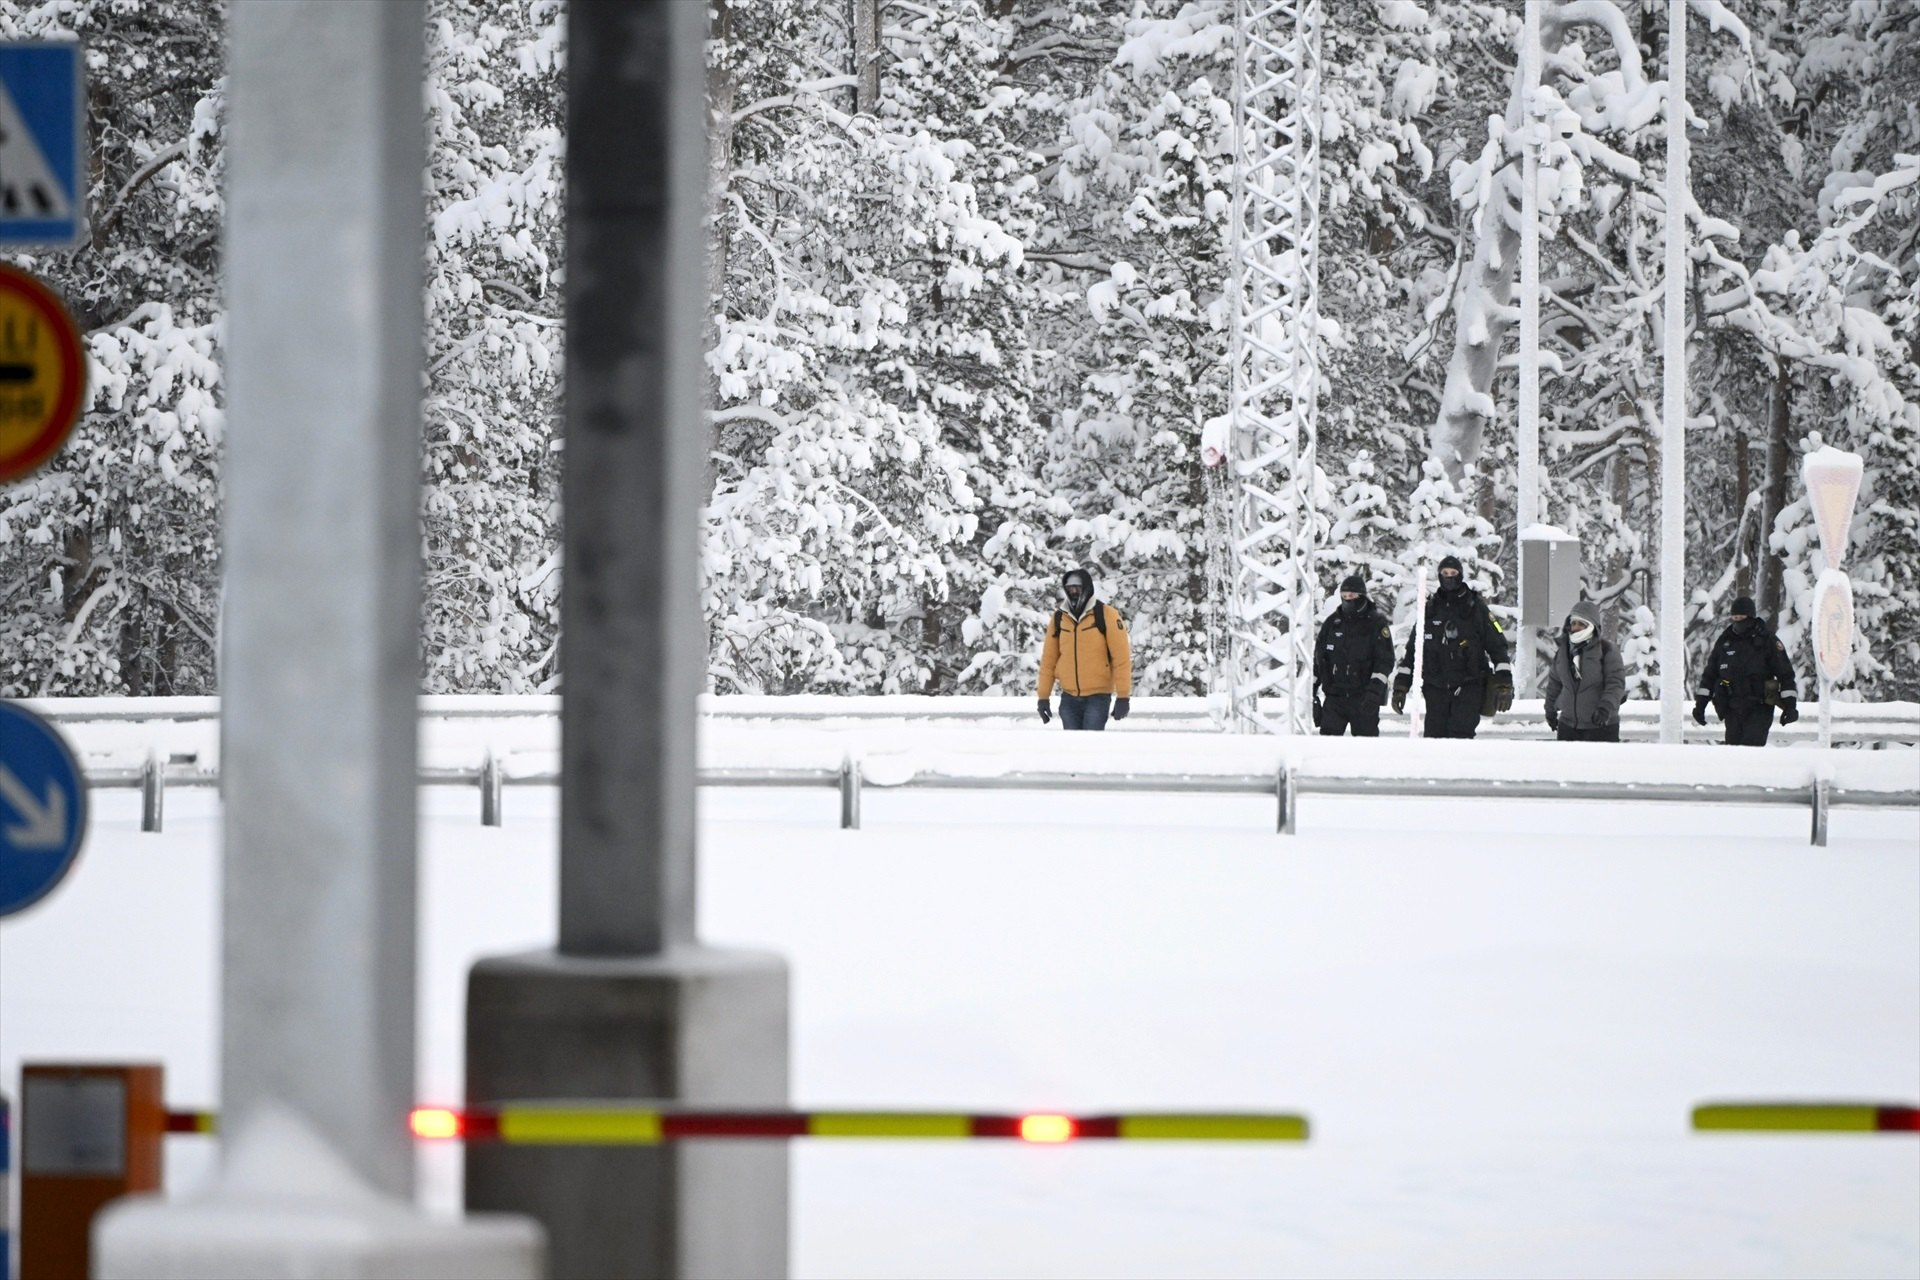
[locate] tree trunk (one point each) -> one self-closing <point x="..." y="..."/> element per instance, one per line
<point x="866" y="54"/>
<point x="1742" y="490"/>
<point x="1770" y="567"/>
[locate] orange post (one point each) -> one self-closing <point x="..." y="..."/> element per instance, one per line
<point x="88" y="1134"/>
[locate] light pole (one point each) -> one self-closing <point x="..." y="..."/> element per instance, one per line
<point x="1528" y="511"/>
<point x="1673" y="410"/>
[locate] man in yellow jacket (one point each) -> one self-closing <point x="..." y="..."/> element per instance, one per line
<point x="1088" y="653"/>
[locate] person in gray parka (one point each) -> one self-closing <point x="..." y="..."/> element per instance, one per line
<point x="1586" y="683"/>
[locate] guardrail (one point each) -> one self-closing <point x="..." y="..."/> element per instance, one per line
<point x="1286" y="785"/>
<point x="1867" y="724"/>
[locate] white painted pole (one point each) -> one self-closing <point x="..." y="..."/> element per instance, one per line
<point x="319" y="677"/>
<point x="1528" y="513"/>
<point x="1414" y="697"/>
<point x="1673" y="445"/>
<point x="320" y="671"/>
<point x="1826" y="712"/>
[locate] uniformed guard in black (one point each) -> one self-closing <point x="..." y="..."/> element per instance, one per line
<point x="1352" y="661"/>
<point x="1463" y="667"/>
<point x="1747" y="675"/>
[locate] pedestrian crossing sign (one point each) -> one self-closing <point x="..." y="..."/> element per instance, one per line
<point x="42" y="136"/>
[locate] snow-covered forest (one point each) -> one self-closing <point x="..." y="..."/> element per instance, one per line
<point x="971" y="318"/>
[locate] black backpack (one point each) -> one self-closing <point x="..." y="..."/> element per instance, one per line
<point x="1099" y="624"/>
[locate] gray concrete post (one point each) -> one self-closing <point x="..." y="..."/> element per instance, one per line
<point x="630" y="1005"/>
<point x="320" y="671"/>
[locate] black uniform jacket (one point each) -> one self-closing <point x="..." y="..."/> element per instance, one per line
<point x="1739" y="666"/>
<point x="1463" y="642"/>
<point x="1354" y="652"/>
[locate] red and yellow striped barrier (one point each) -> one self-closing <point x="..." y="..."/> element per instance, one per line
<point x="618" y="1125"/>
<point x="1806" y="1117"/>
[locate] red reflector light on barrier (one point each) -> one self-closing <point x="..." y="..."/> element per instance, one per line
<point x="1898" y="1119"/>
<point x="436" y="1123"/>
<point x="1047" y="1128"/>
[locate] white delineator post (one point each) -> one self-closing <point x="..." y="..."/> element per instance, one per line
<point x="319" y="675"/>
<point x="1414" y="697"/>
<point x="1833" y="484"/>
<point x="1673" y="412"/>
<point x="1528" y="512"/>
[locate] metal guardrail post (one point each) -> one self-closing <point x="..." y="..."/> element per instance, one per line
<point x="1287" y="791"/>
<point x="492" y="784"/>
<point x="153" y="785"/>
<point x="1822" y="800"/>
<point x="850" y="793"/>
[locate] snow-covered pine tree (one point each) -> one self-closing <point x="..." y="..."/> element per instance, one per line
<point x="490" y="481"/>
<point x="109" y="556"/>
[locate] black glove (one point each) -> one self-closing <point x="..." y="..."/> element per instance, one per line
<point x="1316" y="706"/>
<point x="1553" y="720"/>
<point x="1789" y="711"/>
<point x="1120" y="708"/>
<point x="1502" y="691"/>
<point x="1046" y="712"/>
<point x="1700" y="711"/>
<point x="1400" y="686"/>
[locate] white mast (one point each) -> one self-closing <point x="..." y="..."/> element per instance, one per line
<point x="1273" y="592"/>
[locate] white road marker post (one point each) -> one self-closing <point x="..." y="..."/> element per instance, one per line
<point x="1414" y="695"/>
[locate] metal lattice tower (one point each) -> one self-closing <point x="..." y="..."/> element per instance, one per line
<point x="1271" y="592"/>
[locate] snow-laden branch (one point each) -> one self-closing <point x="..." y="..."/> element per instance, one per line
<point x="806" y="96"/>
<point x="748" y="412"/>
<point x="139" y="179"/>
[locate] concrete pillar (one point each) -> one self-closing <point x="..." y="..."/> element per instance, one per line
<point x="320" y="672"/>
<point x="630" y="1005"/>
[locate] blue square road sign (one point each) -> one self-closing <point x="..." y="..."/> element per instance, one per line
<point x="42" y="141"/>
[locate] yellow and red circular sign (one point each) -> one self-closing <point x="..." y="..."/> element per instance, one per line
<point x="43" y="373"/>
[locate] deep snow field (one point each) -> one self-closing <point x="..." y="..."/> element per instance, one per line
<point x="1496" y="1014"/>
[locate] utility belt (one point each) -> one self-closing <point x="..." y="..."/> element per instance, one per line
<point x="1768" y="694"/>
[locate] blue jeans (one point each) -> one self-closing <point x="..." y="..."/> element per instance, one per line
<point x="1089" y="712"/>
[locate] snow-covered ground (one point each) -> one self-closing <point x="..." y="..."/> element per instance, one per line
<point x="1496" y="1014"/>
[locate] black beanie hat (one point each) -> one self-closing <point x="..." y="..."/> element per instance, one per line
<point x="1453" y="562"/>
<point x="1744" y="604"/>
<point x="1354" y="582"/>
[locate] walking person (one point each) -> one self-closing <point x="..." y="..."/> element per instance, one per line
<point x="1352" y="661"/>
<point x="1747" y="675"/>
<point x="1463" y="665"/>
<point x="1586" y="682"/>
<point x="1087" y="653"/>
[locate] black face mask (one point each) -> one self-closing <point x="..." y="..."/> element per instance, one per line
<point x="1354" y="606"/>
<point x="1744" y="627"/>
<point x="1451" y="585"/>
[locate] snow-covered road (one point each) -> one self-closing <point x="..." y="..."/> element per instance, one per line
<point x="1497" y="1016"/>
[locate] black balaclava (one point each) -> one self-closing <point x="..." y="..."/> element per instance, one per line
<point x="1744" y="626"/>
<point x="1354" y="582"/>
<point x="1452" y="585"/>
<point x="1077" y="605"/>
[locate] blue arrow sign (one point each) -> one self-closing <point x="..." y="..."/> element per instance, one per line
<point x="42" y="133"/>
<point x="43" y="808"/>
